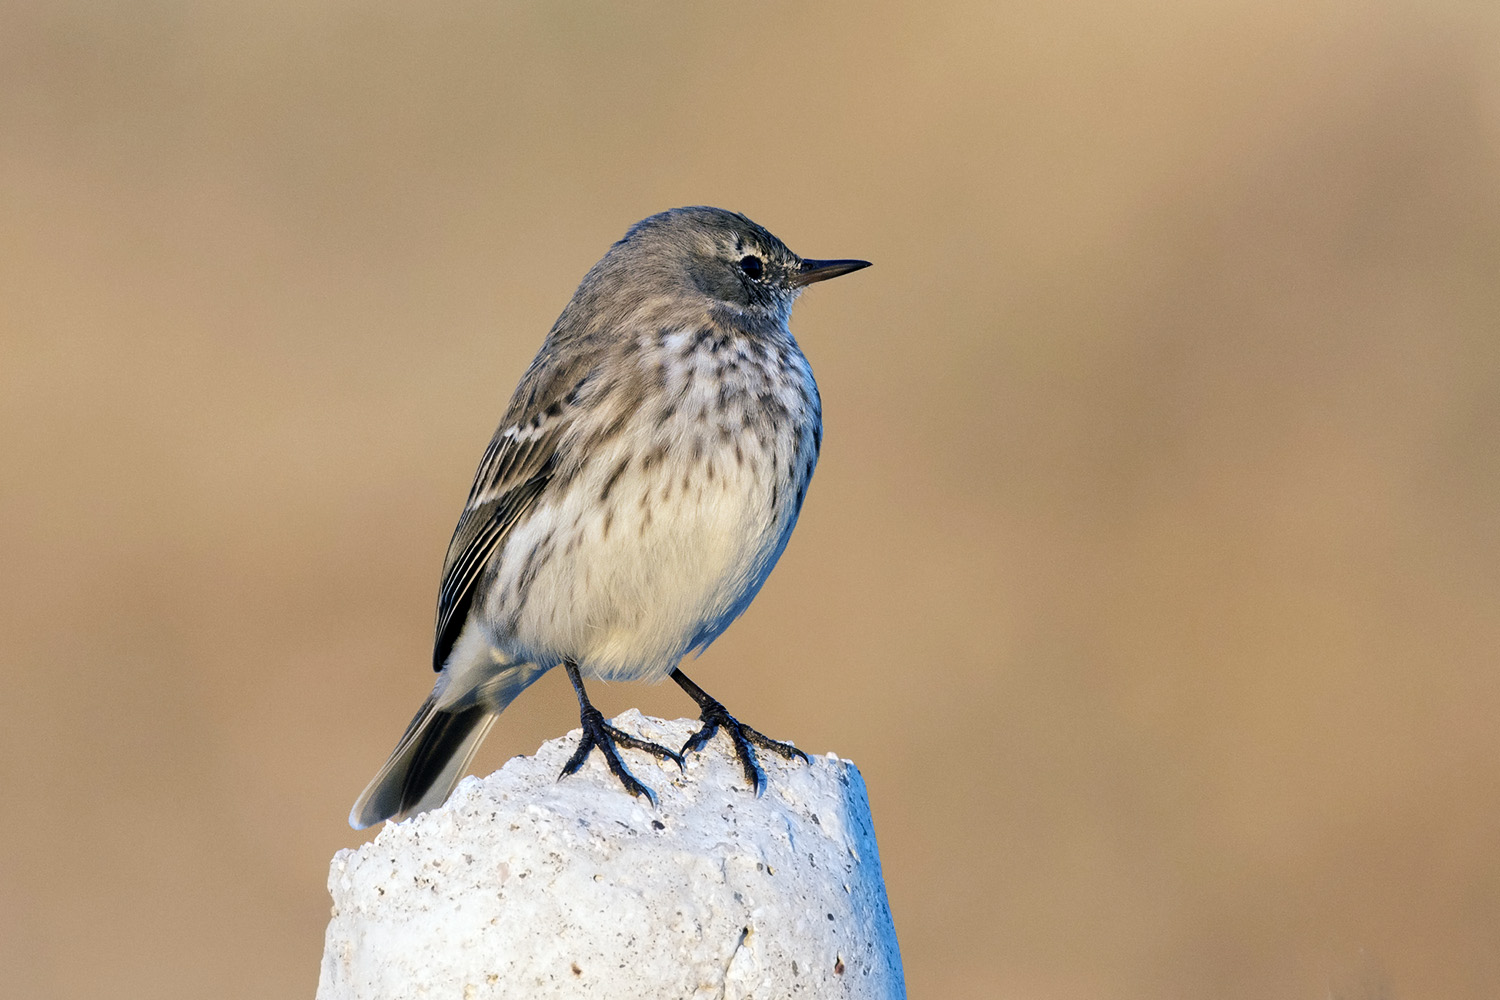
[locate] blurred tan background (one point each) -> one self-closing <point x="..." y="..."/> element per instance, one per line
<point x="1151" y="574"/>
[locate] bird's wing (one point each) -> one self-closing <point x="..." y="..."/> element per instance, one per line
<point x="516" y="468"/>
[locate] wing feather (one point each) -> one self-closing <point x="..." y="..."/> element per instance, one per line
<point x="515" y="470"/>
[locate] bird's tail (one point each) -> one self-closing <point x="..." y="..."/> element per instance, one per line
<point x="434" y="753"/>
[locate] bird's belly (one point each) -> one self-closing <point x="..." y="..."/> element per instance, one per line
<point x="645" y="560"/>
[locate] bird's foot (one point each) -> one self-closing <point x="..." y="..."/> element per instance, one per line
<point x="607" y="739"/>
<point x="714" y="718"/>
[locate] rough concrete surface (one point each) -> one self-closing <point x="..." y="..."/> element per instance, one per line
<point x="526" y="886"/>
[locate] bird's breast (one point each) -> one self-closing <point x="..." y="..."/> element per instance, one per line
<point x="671" y="519"/>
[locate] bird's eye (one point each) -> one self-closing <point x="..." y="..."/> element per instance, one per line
<point x="751" y="265"/>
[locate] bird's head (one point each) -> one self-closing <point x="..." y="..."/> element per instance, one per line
<point x="710" y="256"/>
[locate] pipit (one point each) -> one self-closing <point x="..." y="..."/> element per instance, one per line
<point x="641" y="486"/>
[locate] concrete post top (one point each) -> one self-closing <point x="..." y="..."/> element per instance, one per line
<point x="522" y="885"/>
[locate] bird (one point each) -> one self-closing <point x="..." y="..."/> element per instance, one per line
<point x="643" y="482"/>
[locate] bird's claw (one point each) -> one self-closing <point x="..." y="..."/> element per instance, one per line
<point x="600" y="735"/>
<point x="714" y="718"/>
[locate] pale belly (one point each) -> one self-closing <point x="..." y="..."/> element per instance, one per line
<point x="626" y="585"/>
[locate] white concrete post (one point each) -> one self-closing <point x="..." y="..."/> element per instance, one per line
<point x="526" y="886"/>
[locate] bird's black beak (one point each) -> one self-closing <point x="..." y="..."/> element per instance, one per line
<point x="822" y="270"/>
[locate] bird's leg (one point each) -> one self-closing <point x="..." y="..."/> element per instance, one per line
<point x="600" y="734"/>
<point x="714" y="716"/>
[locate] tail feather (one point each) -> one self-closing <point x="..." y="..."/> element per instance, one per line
<point x="439" y="743"/>
<point x="425" y="765"/>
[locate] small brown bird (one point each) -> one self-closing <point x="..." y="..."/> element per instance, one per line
<point x="643" y="483"/>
